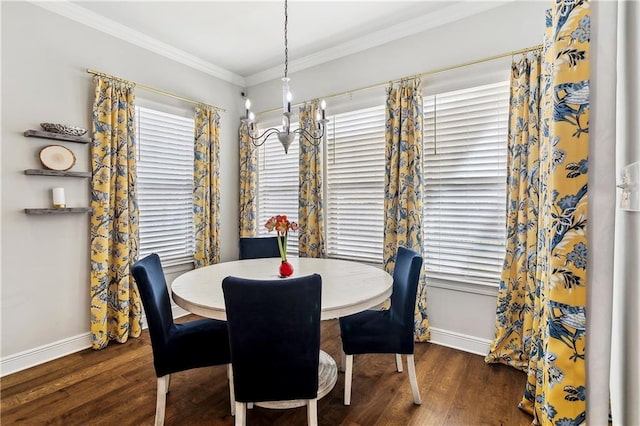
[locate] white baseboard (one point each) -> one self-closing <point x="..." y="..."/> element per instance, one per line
<point x="40" y="355"/>
<point x="45" y="353"/>
<point x="463" y="342"/>
<point x="32" y="357"/>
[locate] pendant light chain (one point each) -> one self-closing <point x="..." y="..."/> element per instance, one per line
<point x="286" y="44"/>
<point x="285" y="135"/>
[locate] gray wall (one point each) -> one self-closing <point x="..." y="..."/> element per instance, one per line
<point x="45" y="259"/>
<point x="500" y="30"/>
<point x="461" y="317"/>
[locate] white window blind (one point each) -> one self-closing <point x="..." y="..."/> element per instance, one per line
<point x="465" y="155"/>
<point x="355" y="184"/>
<point x="165" y="185"/>
<point x="278" y="179"/>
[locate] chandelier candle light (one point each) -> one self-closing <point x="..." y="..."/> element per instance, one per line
<point x="282" y="225"/>
<point x="285" y="135"/>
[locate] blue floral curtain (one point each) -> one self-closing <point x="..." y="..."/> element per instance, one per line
<point x="206" y="186"/>
<point x="310" y="207"/>
<point x="403" y="184"/>
<point x="516" y="295"/>
<point x="550" y="340"/>
<point x="248" y="183"/>
<point x="116" y="309"/>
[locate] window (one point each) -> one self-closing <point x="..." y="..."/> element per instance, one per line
<point x="278" y="179"/>
<point x="464" y="183"/>
<point x="464" y="159"/>
<point x="165" y="185"/>
<point x="355" y="184"/>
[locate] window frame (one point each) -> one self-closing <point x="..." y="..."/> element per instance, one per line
<point x="273" y="149"/>
<point x="462" y="281"/>
<point x="356" y="136"/>
<point x="180" y="262"/>
<point x="476" y="75"/>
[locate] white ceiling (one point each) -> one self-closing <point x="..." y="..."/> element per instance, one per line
<point x="243" y="41"/>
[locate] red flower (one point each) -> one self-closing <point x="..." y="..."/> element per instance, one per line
<point x="282" y="225"/>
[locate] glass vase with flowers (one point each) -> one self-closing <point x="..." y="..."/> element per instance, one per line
<point x="282" y="226"/>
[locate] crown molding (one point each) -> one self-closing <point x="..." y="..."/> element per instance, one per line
<point x="454" y="12"/>
<point x="115" y="29"/>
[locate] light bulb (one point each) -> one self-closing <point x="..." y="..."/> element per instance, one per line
<point x="252" y="116"/>
<point x="323" y="105"/>
<point x="289" y="97"/>
<point x="247" y="105"/>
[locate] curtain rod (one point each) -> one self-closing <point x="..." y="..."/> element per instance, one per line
<point x="151" y="89"/>
<point x="451" y="68"/>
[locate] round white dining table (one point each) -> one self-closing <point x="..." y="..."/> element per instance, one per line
<point x="347" y="288"/>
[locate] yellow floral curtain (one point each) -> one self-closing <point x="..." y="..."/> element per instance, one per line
<point x="115" y="302"/>
<point x="516" y="295"/>
<point x="555" y="392"/>
<point x="403" y="184"/>
<point x="556" y="388"/>
<point x="206" y="186"/>
<point x="310" y="207"/>
<point x="248" y="181"/>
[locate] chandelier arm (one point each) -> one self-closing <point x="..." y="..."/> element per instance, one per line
<point x="310" y="137"/>
<point x="264" y="136"/>
<point x="286" y="136"/>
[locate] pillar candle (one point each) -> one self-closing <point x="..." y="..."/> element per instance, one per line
<point x="58" y="198"/>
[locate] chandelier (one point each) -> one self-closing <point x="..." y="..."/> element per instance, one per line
<point x="285" y="135"/>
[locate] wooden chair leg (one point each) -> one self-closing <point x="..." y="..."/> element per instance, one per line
<point x="399" y="363"/>
<point x="241" y="414"/>
<point x="413" y="379"/>
<point x="161" y="398"/>
<point x="232" y="393"/>
<point x="347" y="379"/>
<point x="343" y="360"/>
<point x="312" y="412"/>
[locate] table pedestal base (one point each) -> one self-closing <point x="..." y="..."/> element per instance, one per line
<point x="327" y="378"/>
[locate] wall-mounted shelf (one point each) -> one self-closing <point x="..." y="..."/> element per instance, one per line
<point x="61" y="173"/>
<point x="58" y="211"/>
<point x="56" y="136"/>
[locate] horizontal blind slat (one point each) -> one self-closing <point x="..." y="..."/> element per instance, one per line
<point x="165" y="185"/>
<point x="464" y="196"/>
<point x="355" y="184"/>
<point x="278" y="185"/>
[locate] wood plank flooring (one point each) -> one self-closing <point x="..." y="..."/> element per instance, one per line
<point x="117" y="386"/>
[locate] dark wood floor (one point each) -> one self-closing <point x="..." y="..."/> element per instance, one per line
<point x="117" y="386"/>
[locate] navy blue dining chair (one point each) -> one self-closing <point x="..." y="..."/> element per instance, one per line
<point x="274" y="333"/>
<point x="176" y="347"/>
<point x="386" y="331"/>
<point x="258" y="247"/>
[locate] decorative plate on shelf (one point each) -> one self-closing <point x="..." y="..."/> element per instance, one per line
<point x="57" y="157"/>
<point x="63" y="129"/>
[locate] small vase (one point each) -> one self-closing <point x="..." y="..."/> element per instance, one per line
<point x="286" y="269"/>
